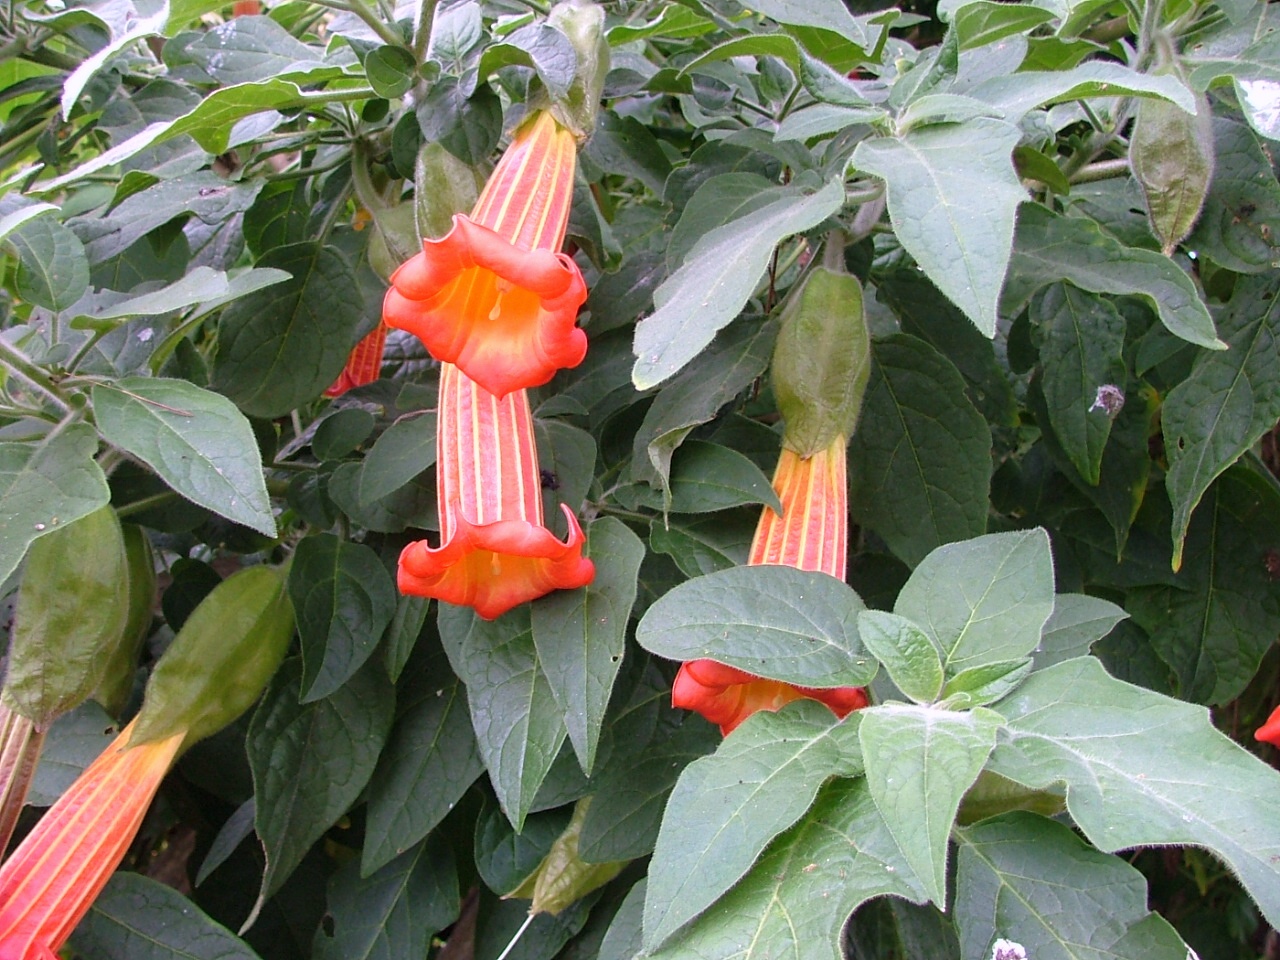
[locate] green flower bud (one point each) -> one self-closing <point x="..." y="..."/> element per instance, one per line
<point x="71" y="612"/>
<point x="821" y="361"/>
<point x="583" y="23"/>
<point x="563" y="878"/>
<point x="221" y="659"/>
<point x="1171" y="153"/>
<point x="117" y="676"/>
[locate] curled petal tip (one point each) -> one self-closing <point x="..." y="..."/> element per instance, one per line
<point x="726" y="696"/>
<point x="494" y="567"/>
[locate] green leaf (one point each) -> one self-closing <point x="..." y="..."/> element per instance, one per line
<point x="395" y="911"/>
<point x="626" y="810"/>
<point x="706" y="477"/>
<point x="53" y="271"/>
<point x="1214" y="625"/>
<point x="1017" y="93"/>
<point x="197" y="441"/>
<point x="1051" y="247"/>
<point x="704" y="544"/>
<point x="822" y="14"/>
<point x="201" y="287"/>
<point x="404" y="450"/>
<point x="727" y="807"/>
<point x="777" y="622"/>
<point x="429" y="762"/>
<point x="310" y="762"/>
<point x="673" y="22"/>
<point x="1239" y="227"/>
<point x="1142" y="769"/>
<point x="278" y="216"/>
<point x="1083" y="337"/>
<point x="506" y="859"/>
<point x="344" y="599"/>
<point x="580" y="635"/>
<point x="727" y="367"/>
<point x="412" y="505"/>
<point x="519" y="726"/>
<point x="979" y="686"/>
<point x="402" y="635"/>
<point x="919" y="762"/>
<point x="985" y="21"/>
<point x="391" y="71"/>
<point x="341" y="432"/>
<point x="204" y="195"/>
<point x="46" y="483"/>
<point x="138" y="28"/>
<point x="137" y="918"/>
<point x="1078" y="622"/>
<point x="71" y="743"/>
<point x="248" y="49"/>
<point x="717" y="278"/>
<point x="1030" y="880"/>
<point x="905" y="651"/>
<point x="953" y="197"/>
<point x="540" y="46"/>
<point x="1171" y="155"/>
<point x="281" y="347"/>
<point x="794" y="903"/>
<point x="919" y="463"/>
<point x="1227" y="403"/>
<point x="983" y="600"/>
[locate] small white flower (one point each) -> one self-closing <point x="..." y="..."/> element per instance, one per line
<point x="1008" y="950"/>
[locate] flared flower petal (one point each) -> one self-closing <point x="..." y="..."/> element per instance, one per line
<point x="811" y="533"/>
<point x="726" y="696"/>
<point x="496" y="566"/>
<point x="52" y="878"/>
<point x="495" y="550"/>
<point x="506" y="316"/>
<point x="495" y="296"/>
<point x="1269" y="732"/>
<point x="364" y="363"/>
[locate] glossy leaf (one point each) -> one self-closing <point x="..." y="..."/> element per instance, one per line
<point x="404" y="450"/>
<point x="197" y="441"/>
<point x="778" y="622"/>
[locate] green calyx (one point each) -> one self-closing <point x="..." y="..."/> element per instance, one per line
<point x="71" y="614"/>
<point x="442" y="186"/>
<point x="221" y="659"/>
<point x="822" y="360"/>
<point x="117" y="676"/>
<point x="583" y="23"/>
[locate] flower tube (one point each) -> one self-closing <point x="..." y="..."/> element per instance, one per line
<point x="364" y="363"/>
<point x="1269" y="732"/>
<point x="820" y="371"/>
<point x="495" y="296"/>
<point x="495" y="551"/>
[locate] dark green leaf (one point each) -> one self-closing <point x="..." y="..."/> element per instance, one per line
<point x="248" y="49"/>
<point x="53" y="271"/>
<point x="717" y="278"/>
<point x="727" y="807"/>
<point x="505" y="858"/>
<point x="1017" y="93"/>
<point x="405" y="449"/>
<point x="391" y="71"/>
<point x="280" y="347"/>
<point x="137" y="918"/>
<point x="1051" y="247"/>
<point x="344" y="600"/>
<point x="278" y="217"/>
<point x="1239" y="227"/>
<point x="919" y="463"/>
<point x="402" y="635"/>
<point x="624" y="145"/>
<point x="953" y="195"/>
<point x="536" y="45"/>
<point x="701" y="545"/>
<point x="1227" y="403"/>
<point x="519" y="726"/>
<point x="341" y="432"/>
<point x="429" y="762"/>
<point x="467" y="126"/>
<point x="197" y="441"/>
<point x="580" y="635"/>
<point x="1029" y="880"/>
<point x="45" y="483"/>
<point x="412" y="505"/>
<point x="311" y="761"/>
<point x="777" y="622"/>
<point x="395" y="911"/>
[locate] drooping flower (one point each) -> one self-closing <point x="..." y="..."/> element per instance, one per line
<point x="52" y="878"/>
<point x="811" y="533"/>
<point x="495" y="296"/>
<point x="364" y="363"/>
<point x="495" y="551"/>
<point x="1269" y="732"/>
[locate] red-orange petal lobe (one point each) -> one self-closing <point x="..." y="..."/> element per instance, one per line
<point x="507" y="317"/>
<point x="364" y="365"/>
<point x="494" y="567"/>
<point x="726" y="696"/>
<point x="1269" y="732"/>
<point x="54" y="875"/>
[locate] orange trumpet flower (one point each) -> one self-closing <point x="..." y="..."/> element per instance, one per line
<point x="811" y="533"/>
<point x="495" y="551"/>
<point x="51" y="880"/>
<point x="364" y="364"/>
<point x="495" y="296"/>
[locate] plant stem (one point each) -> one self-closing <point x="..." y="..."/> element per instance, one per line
<point x="371" y="20"/>
<point x="422" y="29"/>
<point x="1102" y="170"/>
<point x="20" y="366"/>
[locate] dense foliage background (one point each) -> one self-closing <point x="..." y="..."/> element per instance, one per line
<point x="1064" y="214"/>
